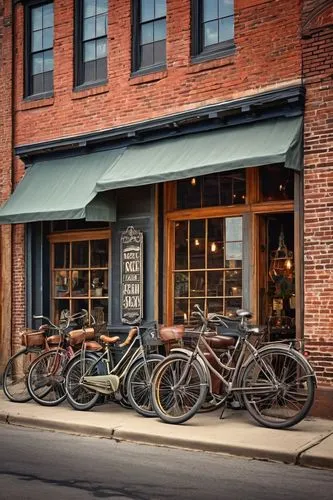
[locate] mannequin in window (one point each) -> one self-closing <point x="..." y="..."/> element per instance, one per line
<point x="78" y="284"/>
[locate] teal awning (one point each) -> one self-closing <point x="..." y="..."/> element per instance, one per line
<point x="62" y="188"/>
<point x="276" y="140"/>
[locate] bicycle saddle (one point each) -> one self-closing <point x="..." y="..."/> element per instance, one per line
<point x="243" y="313"/>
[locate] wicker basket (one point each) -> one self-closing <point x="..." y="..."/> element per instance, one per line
<point x="32" y="338"/>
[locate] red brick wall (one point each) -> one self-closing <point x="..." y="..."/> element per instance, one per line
<point x="267" y="55"/>
<point x="318" y="185"/>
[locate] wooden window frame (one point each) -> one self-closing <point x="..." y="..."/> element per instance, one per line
<point x="252" y="208"/>
<point x="28" y="93"/>
<point x="79" y="82"/>
<point x="72" y="237"/>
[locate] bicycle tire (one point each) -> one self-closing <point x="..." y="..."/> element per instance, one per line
<point x="81" y="398"/>
<point x="48" y="389"/>
<point x="139" y="388"/>
<point x="292" y="401"/>
<point x="15" y="376"/>
<point x="176" y="406"/>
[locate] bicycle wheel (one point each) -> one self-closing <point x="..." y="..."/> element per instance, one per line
<point x="139" y="384"/>
<point x="46" y="380"/>
<point x="81" y="397"/>
<point x="16" y="374"/>
<point x="175" y="405"/>
<point x="290" y="400"/>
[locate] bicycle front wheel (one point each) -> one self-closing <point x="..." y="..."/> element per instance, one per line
<point x="16" y="374"/>
<point x="290" y="388"/>
<point x="176" y="402"/>
<point x="139" y="384"/>
<point x="46" y="380"/>
<point x="81" y="397"/>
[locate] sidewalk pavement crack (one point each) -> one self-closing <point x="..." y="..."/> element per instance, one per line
<point x="311" y="445"/>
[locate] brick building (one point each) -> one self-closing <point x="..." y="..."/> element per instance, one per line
<point x="182" y="119"/>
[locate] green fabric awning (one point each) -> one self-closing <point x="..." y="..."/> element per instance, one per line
<point x="62" y="188"/>
<point x="266" y="142"/>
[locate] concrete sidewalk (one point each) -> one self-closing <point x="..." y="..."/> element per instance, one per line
<point x="309" y="443"/>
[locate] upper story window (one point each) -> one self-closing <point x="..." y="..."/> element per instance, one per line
<point x="212" y="27"/>
<point x="149" y="34"/>
<point x="91" y="41"/>
<point x="39" y="48"/>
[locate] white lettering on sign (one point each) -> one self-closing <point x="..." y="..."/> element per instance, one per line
<point x="132" y="266"/>
<point x="131" y="302"/>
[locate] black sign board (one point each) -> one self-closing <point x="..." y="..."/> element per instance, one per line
<point x="131" y="256"/>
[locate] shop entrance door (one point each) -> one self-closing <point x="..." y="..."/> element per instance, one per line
<point x="277" y="295"/>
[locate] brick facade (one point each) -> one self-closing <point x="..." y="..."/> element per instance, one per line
<point x="317" y="44"/>
<point x="270" y="36"/>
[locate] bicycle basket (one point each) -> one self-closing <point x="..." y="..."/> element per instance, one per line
<point x="32" y="338"/>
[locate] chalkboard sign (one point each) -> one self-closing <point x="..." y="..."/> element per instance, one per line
<point x="131" y="255"/>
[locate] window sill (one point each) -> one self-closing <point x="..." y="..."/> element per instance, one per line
<point x="213" y="60"/>
<point x="37" y="101"/>
<point x="148" y="75"/>
<point x="89" y="90"/>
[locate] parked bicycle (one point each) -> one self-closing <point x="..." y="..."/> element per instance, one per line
<point x="123" y="371"/>
<point x="16" y="371"/>
<point x="46" y="375"/>
<point x="275" y="382"/>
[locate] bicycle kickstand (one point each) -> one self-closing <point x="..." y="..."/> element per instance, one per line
<point x="223" y="408"/>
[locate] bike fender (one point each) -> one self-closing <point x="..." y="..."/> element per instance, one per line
<point x="188" y="353"/>
<point x="285" y="347"/>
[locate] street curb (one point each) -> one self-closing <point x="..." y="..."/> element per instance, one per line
<point x="144" y="438"/>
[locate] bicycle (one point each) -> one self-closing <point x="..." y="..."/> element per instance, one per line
<point x="46" y="374"/>
<point x="16" y="371"/>
<point x="127" y="380"/>
<point x="275" y="382"/>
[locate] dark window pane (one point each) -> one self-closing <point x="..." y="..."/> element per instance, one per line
<point x="101" y="48"/>
<point x="48" y="15"/>
<point x="37" y="84"/>
<point x="159" y="52"/>
<point x="181" y="245"/>
<point x="277" y="183"/>
<point x="101" y="25"/>
<point x="197" y="244"/>
<point x="147" y="10"/>
<point x="181" y="284"/>
<point x="189" y="193"/>
<point x="215" y="243"/>
<point x="160" y="8"/>
<point x="47" y="38"/>
<point x="89" y="28"/>
<point x="233" y="283"/>
<point x="90" y="71"/>
<point x="48" y="81"/>
<point x="80" y="252"/>
<point x="226" y="8"/>
<point x="211" y="33"/>
<point x="36" y="40"/>
<point x="37" y="64"/>
<point x="48" y="60"/>
<point x="101" y="69"/>
<point x="159" y="30"/>
<point x="37" y="18"/>
<point x="61" y="255"/>
<point x="210" y="10"/>
<point x="147" y="55"/>
<point x="215" y="284"/>
<point x="99" y="253"/>
<point x="211" y="192"/>
<point x="101" y="6"/>
<point x="89" y="51"/>
<point x="197" y="284"/>
<point x="89" y="8"/>
<point x="147" y="33"/>
<point x="226" y="29"/>
<point x="181" y="312"/>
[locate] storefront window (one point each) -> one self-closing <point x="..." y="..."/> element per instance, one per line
<point x="276" y="183"/>
<point x="212" y="190"/>
<point x="80" y="274"/>
<point x="207" y="266"/>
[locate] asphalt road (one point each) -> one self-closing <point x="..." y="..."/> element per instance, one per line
<point x="48" y="465"/>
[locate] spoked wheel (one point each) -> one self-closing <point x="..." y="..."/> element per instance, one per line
<point x="175" y="403"/>
<point x="290" y="400"/>
<point x="139" y="385"/>
<point x="46" y="380"/>
<point x="81" y="397"/>
<point x="16" y="374"/>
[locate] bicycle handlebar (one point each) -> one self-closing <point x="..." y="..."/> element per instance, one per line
<point x="69" y="318"/>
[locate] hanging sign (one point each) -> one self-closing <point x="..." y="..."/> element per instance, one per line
<point x="131" y="259"/>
